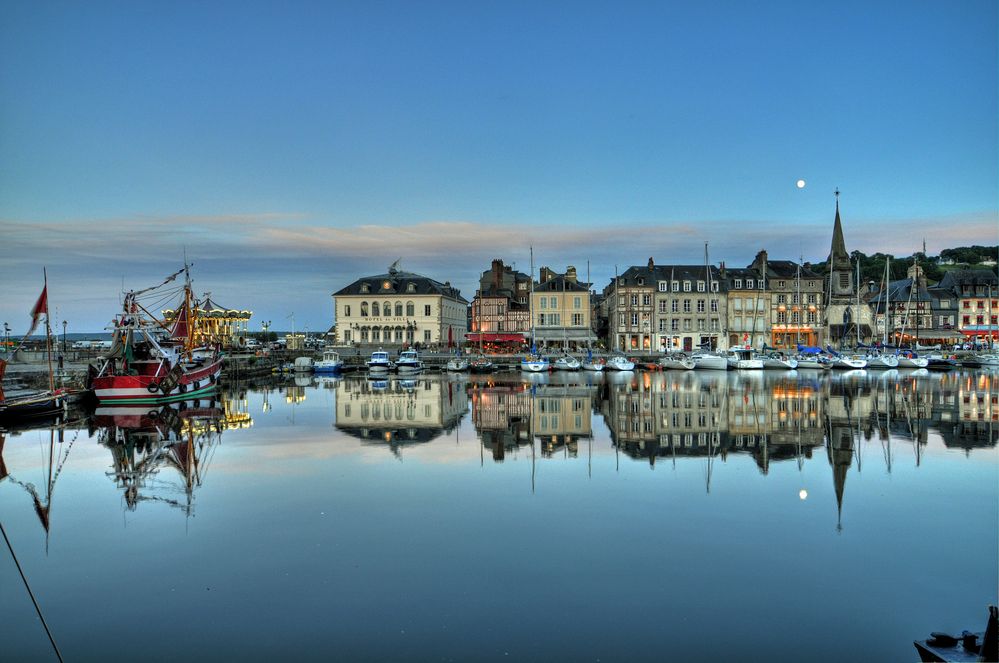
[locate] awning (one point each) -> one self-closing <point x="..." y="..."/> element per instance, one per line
<point x="474" y="337"/>
<point x="935" y="334"/>
<point x="980" y="330"/>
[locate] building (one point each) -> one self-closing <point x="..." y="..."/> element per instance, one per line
<point x="501" y="308"/>
<point x="977" y="291"/>
<point x="561" y="309"/>
<point x="399" y="308"/>
<point x="794" y="301"/>
<point x="666" y="308"/>
<point x="746" y="306"/>
<point x="848" y="321"/>
<point x="910" y="311"/>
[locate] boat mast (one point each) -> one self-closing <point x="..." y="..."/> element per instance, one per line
<point x="800" y="307"/>
<point x="48" y="330"/>
<point x="857" y="288"/>
<point x="531" y="309"/>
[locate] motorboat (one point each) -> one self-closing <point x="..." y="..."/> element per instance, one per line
<point x="534" y="363"/>
<point x="880" y="360"/>
<point x="743" y="359"/>
<point x="619" y="363"/>
<point x="777" y="361"/>
<point x="850" y="362"/>
<point x="379" y="363"/>
<point x="938" y="362"/>
<point x="676" y="362"/>
<point x="566" y="362"/>
<point x="481" y="364"/>
<point x="592" y="363"/>
<point x="708" y="361"/>
<point x="983" y="360"/>
<point x="303" y="364"/>
<point x="456" y="365"/>
<point x="408" y="362"/>
<point x="330" y="363"/>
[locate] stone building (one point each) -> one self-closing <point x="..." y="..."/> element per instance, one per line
<point x="561" y="309"/>
<point x="399" y="308"/>
<point x="977" y="291"/>
<point x="848" y="320"/>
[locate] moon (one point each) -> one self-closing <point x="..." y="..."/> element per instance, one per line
<point x="803" y="494"/>
<point x="800" y="184"/>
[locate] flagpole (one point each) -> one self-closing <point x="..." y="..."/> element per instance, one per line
<point x="48" y="330"/>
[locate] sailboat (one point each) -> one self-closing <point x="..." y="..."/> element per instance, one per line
<point x="153" y="362"/>
<point x="877" y="359"/>
<point x="31" y="403"/>
<point x="707" y="359"/>
<point x="533" y="362"/>
<point x="592" y="363"/>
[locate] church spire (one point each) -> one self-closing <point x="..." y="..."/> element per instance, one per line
<point x="839" y="259"/>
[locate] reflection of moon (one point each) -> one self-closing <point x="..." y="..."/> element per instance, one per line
<point x="800" y="184"/>
<point x="803" y="494"/>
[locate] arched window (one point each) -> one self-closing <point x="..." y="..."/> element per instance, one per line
<point x="410" y="309"/>
<point x="374" y="309"/>
<point x="388" y="335"/>
<point x="398" y="309"/>
<point x="387" y="309"/>
<point x="364" y="309"/>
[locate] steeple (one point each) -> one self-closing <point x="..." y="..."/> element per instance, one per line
<point x="839" y="259"/>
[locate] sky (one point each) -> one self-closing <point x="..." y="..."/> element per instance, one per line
<point x="291" y="148"/>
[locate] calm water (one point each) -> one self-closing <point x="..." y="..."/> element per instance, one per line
<point x="691" y="516"/>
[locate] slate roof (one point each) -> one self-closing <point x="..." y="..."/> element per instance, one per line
<point x="399" y="283"/>
<point x="630" y="277"/>
<point x="555" y="284"/>
<point x="956" y="279"/>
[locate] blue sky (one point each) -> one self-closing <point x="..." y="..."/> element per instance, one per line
<point x="291" y="147"/>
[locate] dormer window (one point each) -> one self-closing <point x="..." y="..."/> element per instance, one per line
<point x="749" y="284"/>
<point x="738" y="283"/>
<point x="641" y="280"/>
<point x="686" y="286"/>
<point x="365" y="287"/>
<point x="676" y="286"/>
<point x="410" y="287"/>
<point x="700" y="286"/>
<point x="781" y="284"/>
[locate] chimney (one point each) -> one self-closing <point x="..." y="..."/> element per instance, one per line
<point x="570" y="274"/>
<point x="652" y="264"/>
<point x="721" y="269"/>
<point x="497" y="274"/>
<point x="545" y="275"/>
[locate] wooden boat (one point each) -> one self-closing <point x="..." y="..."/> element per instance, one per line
<point x="981" y="646"/>
<point x="153" y="362"/>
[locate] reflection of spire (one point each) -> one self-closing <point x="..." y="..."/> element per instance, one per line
<point x="840" y="454"/>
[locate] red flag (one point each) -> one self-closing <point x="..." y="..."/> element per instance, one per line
<point x="41" y="306"/>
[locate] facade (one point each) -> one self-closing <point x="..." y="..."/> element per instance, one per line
<point x="399" y="308"/>
<point x="747" y="307"/>
<point x="795" y="303"/>
<point x="848" y="321"/>
<point x="666" y="308"/>
<point x="561" y="309"/>
<point x="977" y="292"/>
<point x="909" y="311"/>
<point x="500" y="311"/>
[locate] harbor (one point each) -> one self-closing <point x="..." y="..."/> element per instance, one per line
<point x="575" y="493"/>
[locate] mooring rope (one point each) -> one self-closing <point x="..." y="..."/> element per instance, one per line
<point x="31" y="594"/>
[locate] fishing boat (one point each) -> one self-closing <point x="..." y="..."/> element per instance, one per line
<point x="619" y="363"/>
<point x="676" y="361"/>
<point x="566" y="362"/>
<point x="408" y="362"/>
<point x="709" y="361"/>
<point x="379" y="363"/>
<point x="743" y="359"/>
<point x="330" y="363"/>
<point x="151" y="361"/>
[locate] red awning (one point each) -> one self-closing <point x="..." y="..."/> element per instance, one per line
<point x="980" y="332"/>
<point x="473" y="337"/>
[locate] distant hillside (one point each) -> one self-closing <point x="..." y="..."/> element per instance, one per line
<point x="872" y="268"/>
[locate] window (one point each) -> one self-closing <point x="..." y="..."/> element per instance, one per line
<point x="634" y="319"/>
<point x="634" y="300"/>
<point x="701" y="324"/>
<point x="410" y="309"/>
<point x="663" y="286"/>
<point x="686" y="306"/>
<point x="811" y="284"/>
<point x="554" y="319"/>
<point x="662" y="325"/>
<point x="782" y="299"/>
<point x="676" y="286"/>
<point x="426" y="309"/>
<point x="686" y="286"/>
<point x="714" y="286"/>
<point x="541" y="319"/>
<point x="700" y="306"/>
<point x="714" y="305"/>
<point x="812" y="299"/>
<point x="426" y="336"/>
<point x="795" y="318"/>
<point x="553" y="302"/>
<point x="577" y="319"/>
<point x="398" y="309"/>
<point x="364" y="309"/>
<point x="686" y="324"/>
<point x="662" y="305"/>
<point x="738" y="283"/>
<point x="794" y="298"/>
<point x="646" y="300"/>
<point x="700" y="286"/>
<point x="387" y="309"/>
<point x="675" y="307"/>
<point x="675" y="324"/>
<point x="781" y="284"/>
<point x="641" y="280"/>
<point x="544" y="302"/>
<point x="811" y="317"/>
<point x="365" y="287"/>
<point x="376" y="334"/>
<point x="398" y="334"/>
<point x="364" y="335"/>
<point x="749" y="284"/>
<point x="410" y="287"/>
<point x="346" y="311"/>
<point x="375" y="311"/>
<point x="781" y="317"/>
<point x="714" y="325"/>
<point x="577" y="302"/>
<point x="966" y="320"/>
<point x="346" y="336"/>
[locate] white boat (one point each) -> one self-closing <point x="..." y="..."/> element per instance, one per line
<point x="850" y="362"/>
<point x="408" y="362"/>
<point x="912" y="361"/>
<point x="456" y="365"/>
<point x="619" y="363"/>
<point x="742" y="359"/>
<point x="379" y="363"/>
<point x="303" y="364"/>
<point x="676" y="362"/>
<point x="775" y="361"/>
<point x="592" y="363"/>
<point x="880" y="360"/>
<point x="330" y="363"/>
<point x="814" y="361"/>
<point x="983" y="360"/>
<point x="534" y="363"/>
<point x="566" y="362"/>
<point x="708" y="361"/>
